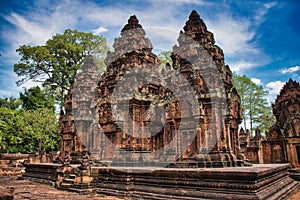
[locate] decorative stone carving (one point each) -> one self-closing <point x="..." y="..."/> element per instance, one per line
<point x="282" y="140"/>
<point x="219" y="105"/>
<point x="84" y="107"/>
<point x="213" y="83"/>
<point x="84" y="161"/>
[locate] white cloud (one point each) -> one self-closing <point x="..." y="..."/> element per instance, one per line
<point x="33" y="32"/>
<point x="275" y="87"/>
<point x="162" y="21"/>
<point x="233" y="35"/>
<point x="35" y="28"/>
<point x="270" y="5"/>
<point x="256" y="81"/>
<point x="162" y="38"/>
<point x="290" y="70"/>
<point x="262" y="10"/>
<point x="240" y="65"/>
<point x="274" y="90"/>
<point x="7" y="77"/>
<point x="99" y="30"/>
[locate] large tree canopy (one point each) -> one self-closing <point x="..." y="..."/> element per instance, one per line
<point x="35" y="98"/>
<point x="255" y="106"/>
<point x="56" y="63"/>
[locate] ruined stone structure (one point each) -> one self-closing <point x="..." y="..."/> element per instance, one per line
<point x="281" y="144"/>
<point x="244" y="140"/>
<point x="132" y="49"/>
<point x="214" y="140"/>
<point x="251" y="146"/>
<point x="70" y="141"/>
<point x="282" y="141"/>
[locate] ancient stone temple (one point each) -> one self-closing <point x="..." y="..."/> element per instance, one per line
<point x="202" y="135"/>
<point x="159" y="135"/>
<point x="244" y="140"/>
<point x="282" y="141"/>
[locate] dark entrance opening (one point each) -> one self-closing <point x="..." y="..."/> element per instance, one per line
<point x="298" y="154"/>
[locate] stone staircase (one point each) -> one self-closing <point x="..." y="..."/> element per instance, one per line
<point x="68" y="182"/>
<point x="76" y="183"/>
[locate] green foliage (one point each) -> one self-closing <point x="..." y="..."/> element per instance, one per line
<point x="255" y="107"/>
<point x="27" y="131"/>
<point x="56" y="63"/>
<point x="35" y="98"/>
<point x="39" y="128"/>
<point x="164" y="57"/>
<point x="10" y="103"/>
<point x="266" y="119"/>
<point x="7" y="128"/>
<point x="28" y="123"/>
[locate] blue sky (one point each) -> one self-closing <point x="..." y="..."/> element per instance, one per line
<point x="259" y="38"/>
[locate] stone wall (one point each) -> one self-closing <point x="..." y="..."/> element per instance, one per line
<point x="12" y="164"/>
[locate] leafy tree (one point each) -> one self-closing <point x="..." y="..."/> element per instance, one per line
<point x="56" y="63"/>
<point x="266" y="119"/>
<point x="39" y="129"/>
<point x="164" y="57"/>
<point x="12" y="103"/>
<point x="27" y="131"/>
<point x="255" y="107"/>
<point x="28" y="123"/>
<point x="7" y="128"/>
<point x="35" y="98"/>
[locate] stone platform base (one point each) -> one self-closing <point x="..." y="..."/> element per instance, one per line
<point x="295" y="174"/>
<point x="45" y="173"/>
<point x="262" y="181"/>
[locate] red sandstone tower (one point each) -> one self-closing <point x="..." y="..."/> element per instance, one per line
<point x="212" y="142"/>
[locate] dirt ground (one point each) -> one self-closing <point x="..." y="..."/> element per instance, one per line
<point x="296" y="196"/>
<point x="24" y="189"/>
